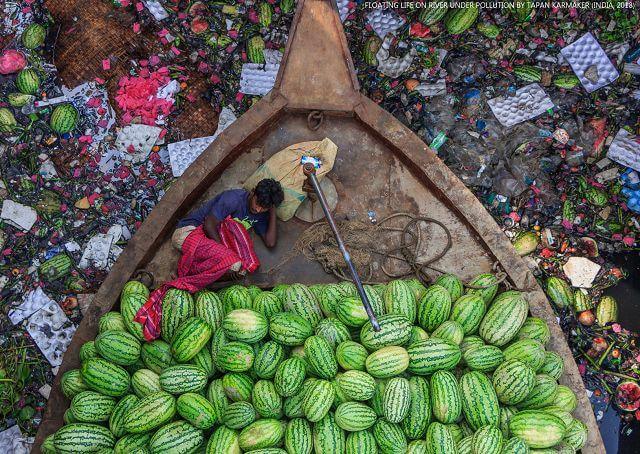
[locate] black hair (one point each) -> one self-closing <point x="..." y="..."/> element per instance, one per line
<point x="269" y="193"/>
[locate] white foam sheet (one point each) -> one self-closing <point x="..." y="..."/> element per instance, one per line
<point x="18" y="215"/>
<point x="590" y="63"/>
<point x="256" y="79"/>
<point x="156" y="9"/>
<point x="343" y="9"/>
<point x="384" y="21"/>
<point x="581" y="271"/>
<point x="183" y="153"/>
<point x="625" y="149"/>
<point x="393" y="66"/>
<point x="13" y="442"/>
<point x="135" y="141"/>
<point x="435" y="89"/>
<point x="52" y="331"/>
<point x="528" y="102"/>
<point x="32" y="302"/>
<point x="101" y="250"/>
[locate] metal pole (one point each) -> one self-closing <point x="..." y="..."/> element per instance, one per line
<point x="310" y="172"/>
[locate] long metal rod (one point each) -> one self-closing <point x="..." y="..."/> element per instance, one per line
<point x="310" y="172"/>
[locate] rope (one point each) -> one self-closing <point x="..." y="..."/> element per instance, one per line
<point x="315" y="119"/>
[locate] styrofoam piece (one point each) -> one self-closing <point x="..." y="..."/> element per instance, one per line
<point x="384" y="21"/>
<point x="625" y="149"/>
<point x="581" y="271"/>
<point x="45" y="391"/>
<point x="183" y="153"/>
<point x="343" y="9"/>
<point x="256" y="79"/>
<point x="109" y="160"/>
<point x="13" y="442"/>
<point x="436" y="89"/>
<point x="156" y="9"/>
<point x="167" y="91"/>
<point x="393" y="66"/>
<point x="52" y="332"/>
<point x="590" y="63"/>
<point x="136" y="141"/>
<point x="18" y="215"/>
<point x="272" y="56"/>
<point x="96" y="252"/>
<point x="528" y="102"/>
<point x="32" y="303"/>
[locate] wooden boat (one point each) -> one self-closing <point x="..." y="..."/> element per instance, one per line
<point x="381" y="166"/>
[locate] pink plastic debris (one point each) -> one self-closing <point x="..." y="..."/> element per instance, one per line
<point x="106" y="64"/>
<point x="12" y="61"/>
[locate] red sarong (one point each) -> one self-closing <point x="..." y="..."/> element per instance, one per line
<point x="203" y="261"/>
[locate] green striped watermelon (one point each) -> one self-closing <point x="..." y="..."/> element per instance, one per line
<point x="456" y="432"/>
<point x="504" y="318"/>
<point x="361" y="442"/>
<point x="484" y="358"/>
<point x="292" y="406"/>
<point x="118" y="415"/>
<point x="479" y="400"/>
<point x="33" y="36"/>
<point x="535" y="328"/>
<point x="104" y="377"/>
<point x="177" y="307"/>
<point x="387" y="362"/>
<point x="439" y="439"/>
<point x="351" y="311"/>
<point x="341" y="397"/>
<point x="487" y="440"/>
<point x="450" y="331"/>
<point x="505" y="415"/>
<point x="429" y="15"/>
<point x="301" y="301"/>
<point x="320" y="357"/>
<point x="528" y="73"/>
<point x="394" y="330"/>
<point x="418" y="418"/>
<point x="63" y="118"/>
<point x="239" y="415"/>
<point x="470" y="342"/>
<point x="354" y="416"/>
<point x="267" y="359"/>
<point x="204" y="360"/>
<point x="396" y="399"/>
<point x="178" y="437"/>
<point x="223" y="441"/>
<point x="465" y="446"/>
<point x="318" y="399"/>
<point x="111" y="321"/>
<point x="130" y="303"/>
<point x="72" y="383"/>
<point x="452" y="283"/>
<point x="7" y="120"/>
<point x="389" y="437"/>
<point x="245" y="325"/>
<point x="399" y="299"/>
<point x="145" y="382"/>
<point x="93" y="407"/>
<point x="183" y="378"/>
<point x="132" y="443"/>
<point x="537" y="429"/>
<point x="289" y="329"/>
<point x="468" y="310"/>
<point x="416" y="287"/>
<point x="377" y="400"/>
<point x="432" y="355"/>
<point x="88" y="350"/>
<point x="416" y="334"/>
<point x="529" y="351"/>
<point x="445" y="397"/>
<point x="487" y="286"/>
<point x="216" y="394"/>
<point x="333" y="330"/>
<point x="328" y="436"/>
<point x="118" y="347"/>
<point x="81" y="437"/>
<point x="328" y="299"/>
<point x="357" y="385"/>
<point x="235" y="357"/>
<point x="56" y="267"/>
<point x="553" y="365"/>
<point x="298" y="436"/>
<point x="27" y="81"/>
<point x="197" y="410"/>
<point x="370" y="49"/>
<point x="566" y="81"/>
<point x="290" y="376"/>
<point x="559" y="291"/>
<point x="263" y="433"/>
<point x="267" y="303"/>
<point x="434" y="307"/>
<point x="156" y="355"/>
<point x="606" y="310"/>
<point x="565" y="398"/>
<point x="542" y="395"/>
<point x="255" y="50"/>
<point x="190" y="337"/>
<point x="208" y="306"/>
<point x="150" y="412"/>
<point x="513" y="380"/>
<point x="237" y="386"/>
<point x="515" y="445"/>
<point x="266" y="400"/>
<point x="576" y="434"/>
<point x="235" y="297"/>
<point x="566" y="417"/>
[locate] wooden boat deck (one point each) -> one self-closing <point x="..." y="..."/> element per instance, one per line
<point x="381" y="166"/>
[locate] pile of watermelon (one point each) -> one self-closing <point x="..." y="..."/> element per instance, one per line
<point x="299" y="369"/>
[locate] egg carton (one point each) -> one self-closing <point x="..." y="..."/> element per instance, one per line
<point x="257" y="79"/>
<point x="183" y="153"/>
<point x="13" y="442"/>
<point x="52" y="331"/>
<point x="393" y="66"/>
<point x="343" y="9"/>
<point x="528" y="102"/>
<point x="101" y="250"/>
<point x="32" y="303"/>
<point x="136" y="141"/>
<point x="435" y="89"/>
<point x="384" y="21"/>
<point x="590" y="63"/>
<point x="20" y="216"/>
<point x="272" y="56"/>
<point x="156" y="9"/>
<point x="625" y="149"/>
